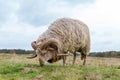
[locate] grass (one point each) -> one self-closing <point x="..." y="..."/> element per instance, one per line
<point x="17" y="67"/>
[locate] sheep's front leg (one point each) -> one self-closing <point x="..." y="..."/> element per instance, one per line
<point x="64" y="60"/>
<point x="74" y="58"/>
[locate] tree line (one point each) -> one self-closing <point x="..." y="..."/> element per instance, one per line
<point x="16" y="51"/>
<point x="105" y="54"/>
<point x="92" y="54"/>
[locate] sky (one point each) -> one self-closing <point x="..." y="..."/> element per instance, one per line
<point x="22" y="21"/>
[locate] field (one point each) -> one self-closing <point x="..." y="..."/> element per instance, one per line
<point x="17" y="67"/>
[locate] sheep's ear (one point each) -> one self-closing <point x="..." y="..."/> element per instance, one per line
<point x="34" y="45"/>
<point x="52" y="44"/>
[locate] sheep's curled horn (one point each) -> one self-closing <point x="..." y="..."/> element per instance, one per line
<point x="51" y="43"/>
<point x="34" y="46"/>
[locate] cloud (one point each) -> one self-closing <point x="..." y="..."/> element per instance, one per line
<point x="20" y="35"/>
<point x="103" y="18"/>
<point x="16" y="34"/>
<point x="23" y="21"/>
<point x="38" y="12"/>
<point x="42" y="12"/>
<point x="7" y="8"/>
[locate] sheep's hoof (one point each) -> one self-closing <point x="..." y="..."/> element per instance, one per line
<point x="41" y="65"/>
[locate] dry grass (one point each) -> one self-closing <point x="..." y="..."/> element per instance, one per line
<point x="27" y="69"/>
<point x="94" y="61"/>
<point x="91" y="61"/>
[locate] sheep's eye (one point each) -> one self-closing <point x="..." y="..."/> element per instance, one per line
<point x="43" y="54"/>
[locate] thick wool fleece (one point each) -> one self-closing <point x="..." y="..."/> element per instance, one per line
<point x="73" y="35"/>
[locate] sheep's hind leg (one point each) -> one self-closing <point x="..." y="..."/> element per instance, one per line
<point x="83" y="57"/>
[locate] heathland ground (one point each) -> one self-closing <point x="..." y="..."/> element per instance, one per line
<point x="18" y="67"/>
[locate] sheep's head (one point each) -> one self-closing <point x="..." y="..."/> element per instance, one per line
<point x="48" y="51"/>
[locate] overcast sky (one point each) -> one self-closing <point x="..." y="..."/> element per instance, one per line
<point x="22" y="21"/>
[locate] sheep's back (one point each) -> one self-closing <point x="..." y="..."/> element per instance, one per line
<point x="73" y="34"/>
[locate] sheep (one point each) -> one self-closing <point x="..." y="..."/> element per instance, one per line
<point x="62" y="36"/>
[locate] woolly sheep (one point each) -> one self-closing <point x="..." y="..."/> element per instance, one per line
<point x="62" y="36"/>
